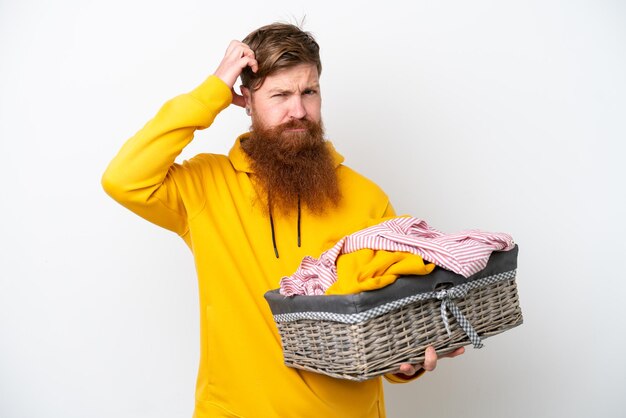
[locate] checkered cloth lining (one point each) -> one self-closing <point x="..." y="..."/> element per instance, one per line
<point x="446" y="296"/>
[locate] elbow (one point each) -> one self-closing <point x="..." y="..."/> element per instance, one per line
<point x="125" y="189"/>
<point x="112" y="185"/>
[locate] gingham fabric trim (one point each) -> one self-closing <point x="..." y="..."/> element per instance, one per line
<point x="453" y="292"/>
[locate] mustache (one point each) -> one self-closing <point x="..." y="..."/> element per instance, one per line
<point x="298" y="124"/>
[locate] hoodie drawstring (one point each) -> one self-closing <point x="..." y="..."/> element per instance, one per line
<point x="299" y="221"/>
<point x="274" y="233"/>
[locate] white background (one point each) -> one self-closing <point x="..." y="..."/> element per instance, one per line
<point x="499" y="115"/>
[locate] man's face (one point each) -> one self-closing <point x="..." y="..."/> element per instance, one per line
<point x="288" y="153"/>
<point x="290" y="94"/>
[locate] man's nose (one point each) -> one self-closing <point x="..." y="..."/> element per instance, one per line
<point x="296" y="109"/>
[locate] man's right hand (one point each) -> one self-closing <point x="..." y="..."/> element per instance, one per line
<point x="237" y="57"/>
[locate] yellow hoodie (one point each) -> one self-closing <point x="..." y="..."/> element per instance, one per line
<point x="210" y="202"/>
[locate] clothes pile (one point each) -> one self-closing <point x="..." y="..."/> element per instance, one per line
<point x="374" y="257"/>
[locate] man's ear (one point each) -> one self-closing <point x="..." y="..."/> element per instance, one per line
<point x="247" y="96"/>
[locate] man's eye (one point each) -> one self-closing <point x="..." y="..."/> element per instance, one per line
<point x="310" y="92"/>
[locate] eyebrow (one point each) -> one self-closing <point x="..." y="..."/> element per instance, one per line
<point x="314" y="86"/>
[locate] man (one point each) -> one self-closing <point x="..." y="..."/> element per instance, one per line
<point x="250" y="217"/>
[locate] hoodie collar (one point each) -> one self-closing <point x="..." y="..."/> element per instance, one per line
<point x="241" y="162"/>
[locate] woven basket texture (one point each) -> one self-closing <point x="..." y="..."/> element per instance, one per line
<point x="379" y="345"/>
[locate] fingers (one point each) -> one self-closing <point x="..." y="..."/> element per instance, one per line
<point x="237" y="57"/>
<point x="248" y="54"/>
<point x="456" y="352"/>
<point x="430" y="360"/>
<point x="430" y="363"/>
<point x="408" y="369"/>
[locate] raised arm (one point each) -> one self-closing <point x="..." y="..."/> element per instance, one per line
<point x="143" y="175"/>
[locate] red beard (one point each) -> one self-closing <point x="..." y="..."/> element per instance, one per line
<point x="293" y="166"/>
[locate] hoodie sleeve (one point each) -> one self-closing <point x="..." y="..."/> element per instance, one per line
<point x="400" y="378"/>
<point x="142" y="176"/>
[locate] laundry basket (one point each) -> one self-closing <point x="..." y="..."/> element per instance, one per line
<point x="364" y="335"/>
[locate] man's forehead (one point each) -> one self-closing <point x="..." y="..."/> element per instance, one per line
<point x="303" y="75"/>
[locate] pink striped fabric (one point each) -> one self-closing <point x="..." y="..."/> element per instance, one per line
<point x="464" y="253"/>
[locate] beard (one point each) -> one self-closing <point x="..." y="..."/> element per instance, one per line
<point x="293" y="167"/>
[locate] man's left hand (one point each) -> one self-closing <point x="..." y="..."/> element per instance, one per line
<point x="430" y="361"/>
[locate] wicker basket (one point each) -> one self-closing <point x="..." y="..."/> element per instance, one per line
<point x="358" y="337"/>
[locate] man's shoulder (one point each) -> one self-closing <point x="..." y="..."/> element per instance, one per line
<point x="351" y="174"/>
<point x="353" y="179"/>
<point x="207" y="162"/>
<point x="364" y="199"/>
